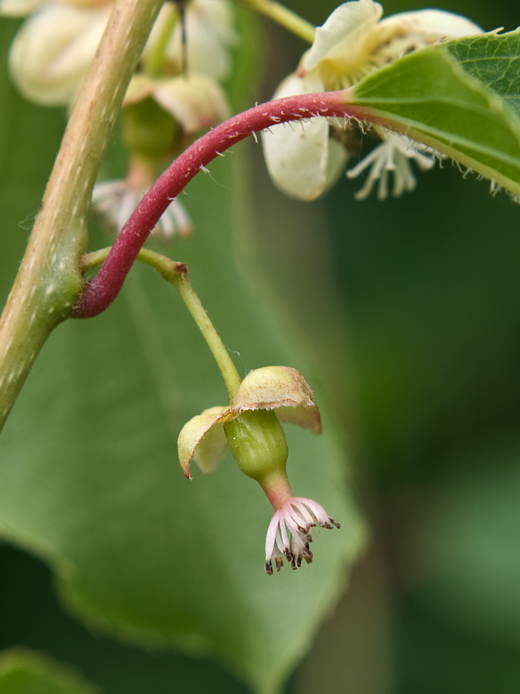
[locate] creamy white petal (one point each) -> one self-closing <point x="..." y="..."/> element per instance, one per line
<point x="207" y="52"/>
<point x="52" y="52"/>
<point x="435" y="24"/>
<point x="345" y="26"/>
<point x="19" y="8"/>
<point x="336" y="162"/>
<point x="411" y="31"/>
<point x="297" y="155"/>
<point x="302" y="160"/>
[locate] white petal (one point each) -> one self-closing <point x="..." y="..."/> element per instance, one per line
<point x="209" y="32"/>
<point x="220" y="13"/>
<point x="336" y="162"/>
<point x="19" y="8"/>
<point x="435" y="24"/>
<point x="297" y="154"/>
<point x="348" y="23"/>
<point x="53" y="50"/>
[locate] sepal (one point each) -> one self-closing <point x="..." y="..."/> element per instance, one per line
<point x="282" y="389"/>
<point x="203" y="439"/>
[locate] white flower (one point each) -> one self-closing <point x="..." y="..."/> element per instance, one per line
<point x="52" y="51"/>
<point x="351" y="44"/>
<point x="290" y="532"/>
<point x="393" y="155"/>
<point x="114" y="202"/>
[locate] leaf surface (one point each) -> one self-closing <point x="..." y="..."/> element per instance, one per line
<point x="24" y="672"/>
<point x="88" y="461"/>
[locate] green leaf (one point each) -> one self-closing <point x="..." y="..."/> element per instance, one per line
<point x="494" y="60"/>
<point x="24" y="672"/>
<point x="460" y="98"/>
<point x="88" y="461"/>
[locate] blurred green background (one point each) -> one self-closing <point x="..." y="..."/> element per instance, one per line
<point x="426" y="291"/>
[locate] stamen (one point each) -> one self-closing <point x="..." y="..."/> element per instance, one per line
<point x="392" y="155"/>
<point x="290" y="532"/>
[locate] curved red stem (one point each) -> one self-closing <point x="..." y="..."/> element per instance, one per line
<point x="100" y="292"/>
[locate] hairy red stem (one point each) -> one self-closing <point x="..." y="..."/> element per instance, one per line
<point x="100" y="292"/>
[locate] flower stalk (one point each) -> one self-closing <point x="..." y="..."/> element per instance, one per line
<point x="177" y="275"/>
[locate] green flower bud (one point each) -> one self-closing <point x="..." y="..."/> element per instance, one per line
<point x="257" y="442"/>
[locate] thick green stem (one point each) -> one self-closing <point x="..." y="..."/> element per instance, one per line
<point x="176" y="274"/>
<point x="285" y="17"/>
<point x="49" y="280"/>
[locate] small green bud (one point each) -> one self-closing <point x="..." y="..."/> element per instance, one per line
<point x="257" y="442"/>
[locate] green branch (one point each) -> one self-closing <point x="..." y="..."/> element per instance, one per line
<point x="49" y="280"/>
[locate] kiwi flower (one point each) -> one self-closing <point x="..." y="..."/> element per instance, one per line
<point x="354" y="41"/>
<point x="53" y="49"/>
<point x="251" y="427"/>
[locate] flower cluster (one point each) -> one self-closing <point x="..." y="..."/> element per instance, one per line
<point x="163" y="109"/>
<point x="54" y="47"/>
<point x="352" y="43"/>
<point x="250" y="426"/>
